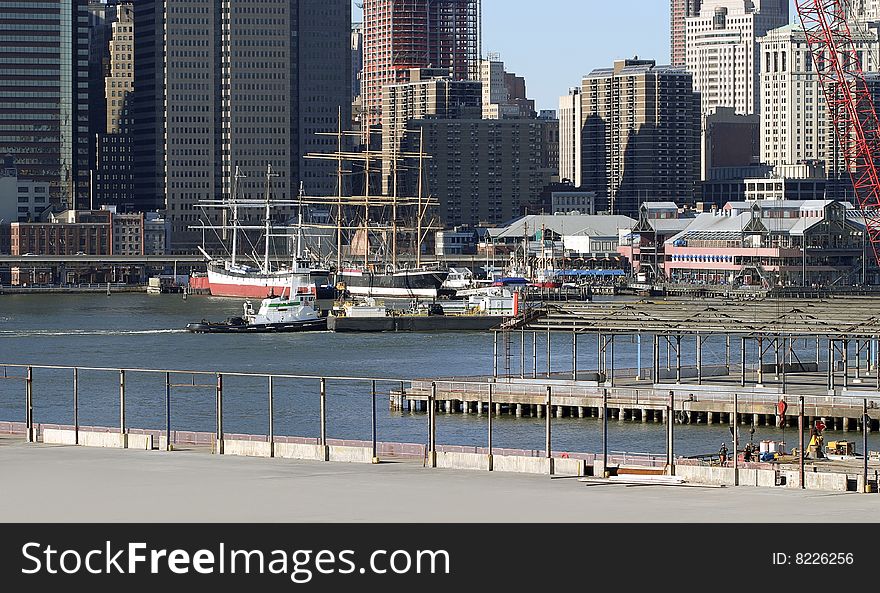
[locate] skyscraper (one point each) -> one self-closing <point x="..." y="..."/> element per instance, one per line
<point x="722" y="53"/>
<point x="570" y="130"/>
<point x="400" y="35"/>
<point x="239" y="84"/>
<point x="44" y="47"/>
<point x="641" y="135"/>
<point x="795" y="122"/>
<point x="680" y="10"/>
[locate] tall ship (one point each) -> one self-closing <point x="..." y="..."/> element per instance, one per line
<point x="259" y="278"/>
<point x="371" y="225"/>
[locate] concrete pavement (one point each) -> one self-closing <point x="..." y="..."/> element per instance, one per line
<point x="46" y="483"/>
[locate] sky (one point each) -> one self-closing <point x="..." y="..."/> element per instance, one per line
<point x="554" y="43"/>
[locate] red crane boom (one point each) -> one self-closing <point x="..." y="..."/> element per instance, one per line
<point x="838" y="66"/>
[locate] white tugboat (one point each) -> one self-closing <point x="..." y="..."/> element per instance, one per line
<point x="276" y="314"/>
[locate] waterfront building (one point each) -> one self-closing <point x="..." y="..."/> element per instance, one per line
<point x="645" y="245"/>
<point x="128" y="231"/>
<point x="245" y="84"/>
<point x="680" y="11"/>
<point x="21" y="199"/>
<point x="722" y="52"/>
<point x="483" y="171"/>
<point x="796" y="126"/>
<point x="570" y="129"/>
<point x="70" y="232"/>
<point x="641" y="134"/>
<point x="44" y="93"/>
<point x="769" y="243"/>
<point x="155" y="234"/>
<point x="400" y="35"/>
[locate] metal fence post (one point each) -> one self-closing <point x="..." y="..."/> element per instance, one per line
<point x="491" y="388"/>
<point x="375" y="458"/>
<point x="75" y="406"/>
<point x="736" y="437"/>
<point x="866" y="420"/>
<point x="220" y="413"/>
<point x="605" y="472"/>
<point x="547" y="423"/>
<point x="432" y="426"/>
<point x="29" y="406"/>
<point x="168" y="412"/>
<point x="670" y="432"/>
<point x="801" y="452"/>
<point x="122" y="407"/>
<point x="325" y="455"/>
<point x="271" y="416"/>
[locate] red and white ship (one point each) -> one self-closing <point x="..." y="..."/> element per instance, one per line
<point x="231" y="278"/>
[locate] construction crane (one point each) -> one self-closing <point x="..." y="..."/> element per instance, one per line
<point x="838" y="66"/>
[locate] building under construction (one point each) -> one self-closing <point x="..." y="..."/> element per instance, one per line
<point x="400" y="35"/>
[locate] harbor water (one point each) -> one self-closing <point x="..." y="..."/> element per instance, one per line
<point x="146" y="331"/>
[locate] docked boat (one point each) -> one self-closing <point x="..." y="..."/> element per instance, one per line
<point x="404" y="283"/>
<point x="258" y="279"/>
<point x="276" y="314"/>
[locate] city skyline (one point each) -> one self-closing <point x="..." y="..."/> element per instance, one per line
<point x="583" y="41"/>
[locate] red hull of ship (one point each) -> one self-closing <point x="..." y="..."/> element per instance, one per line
<point x="246" y="291"/>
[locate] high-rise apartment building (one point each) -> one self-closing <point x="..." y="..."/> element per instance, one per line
<point x="795" y="124"/>
<point x="430" y="93"/>
<point x="641" y="135"/>
<point x="571" y="125"/>
<point x="680" y="10"/>
<point x="483" y="171"/>
<point x="401" y="35"/>
<point x="722" y="53"/>
<point x="44" y="47"/>
<point x="237" y="84"/>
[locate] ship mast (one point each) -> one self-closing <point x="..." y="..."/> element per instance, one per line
<point x="238" y="175"/>
<point x="367" y="204"/>
<point x="299" y="226"/>
<point x="419" y="213"/>
<point x="269" y="176"/>
<point x="339" y="192"/>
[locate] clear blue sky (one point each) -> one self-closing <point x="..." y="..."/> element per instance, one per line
<point x="553" y="43"/>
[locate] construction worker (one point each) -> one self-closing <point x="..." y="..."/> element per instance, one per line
<point x="722" y="453"/>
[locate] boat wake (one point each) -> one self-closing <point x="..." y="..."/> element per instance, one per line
<point x="86" y="332"/>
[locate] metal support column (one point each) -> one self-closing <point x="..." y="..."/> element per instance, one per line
<point x="699" y="359"/>
<point x="830" y="365"/>
<point x="865" y="421"/>
<point x="678" y="358"/>
<point x="495" y="355"/>
<point x="611" y="373"/>
<point x="534" y="355"/>
<point x="549" y="349"/>
<point x="574" y="355"/>
<point x="522" y="354"/>
<point x="760" y="360"/>
<point x="742" y="362"/>
<point x="655" y="371"/>
<point x="845" y="363"/>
